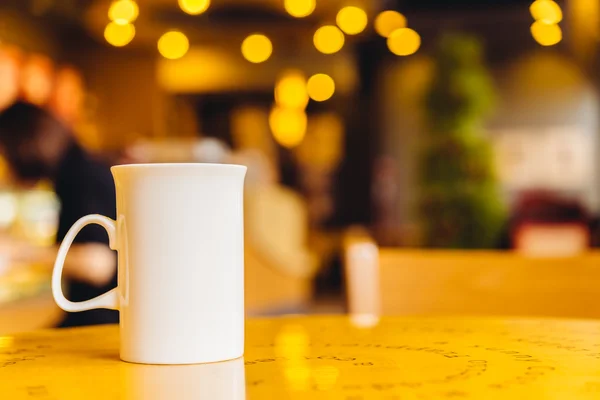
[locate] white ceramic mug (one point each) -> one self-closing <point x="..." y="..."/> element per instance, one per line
<point x="179" y="235"/>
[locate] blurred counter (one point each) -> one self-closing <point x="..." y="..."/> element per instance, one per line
<point x="25" y="295"/>
<point x="26" y="299"/>
<point x="22" y="281"/>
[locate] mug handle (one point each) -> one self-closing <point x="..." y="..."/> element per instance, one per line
<point x="107" y="300"/>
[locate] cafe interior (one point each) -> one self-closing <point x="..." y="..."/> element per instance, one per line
<point x="405" y="157"/>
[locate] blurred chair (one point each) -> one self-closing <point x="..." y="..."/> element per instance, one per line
<point x="552" y="240"/>
<point x="418" y="282"/>
<point x="544" y="224"/>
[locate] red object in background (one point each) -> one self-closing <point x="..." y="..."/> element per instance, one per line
<point x="67" y="96"/>
<point x="37" y="79"/>
<point x="10" y="62"/>
<point x="552" y="240"/>
<point x="545" y="224"/>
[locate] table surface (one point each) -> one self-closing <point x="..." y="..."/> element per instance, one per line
<point x="324" y="358"/>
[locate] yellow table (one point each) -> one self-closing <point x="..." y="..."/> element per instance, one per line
<point x="324" y="358"/>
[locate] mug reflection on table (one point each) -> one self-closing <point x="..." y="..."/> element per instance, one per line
<point x="214" y="381"/>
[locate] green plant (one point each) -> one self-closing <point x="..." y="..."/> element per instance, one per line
<point x="459" y="201"/>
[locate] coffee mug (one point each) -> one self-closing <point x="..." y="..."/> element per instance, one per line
<point x="180" y="243"/>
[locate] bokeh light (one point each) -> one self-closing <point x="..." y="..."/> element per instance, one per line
<point x="10" y="69"/>
<point x="388" y="21"/>
<point x="299" y="8"/>
<point x="292" y="344"/>
<point x="37" y="79"/>
<point x="352" y="20"/>
<point x="257" y="48"/>
<point x="546" y="11"/>
<point x="68" y="94"/>
<point x="119" y="35"/>
<point x="404" y="42"/>
<point x="288" y="126"/>
<point x="546" y="34"/>
<point x="173" y="45"/>
<point x="194" y="7"/>
<point x="123" y="12"/>
<point x="328" y="39"/>
<point x="290" y="90"/>
<point x="320" y="87"/>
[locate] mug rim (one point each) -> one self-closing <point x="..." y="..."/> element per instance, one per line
<point x="179" y="165"/>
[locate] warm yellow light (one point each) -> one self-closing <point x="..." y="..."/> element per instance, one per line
<point x="328" y="39"/>
<point x="299" y="8"/>
<point x="123" y="11"/>
<point x="6" y="341"/>
<point x="388" y="21"/>
<point x="173" y="45"/>
<point x="352" y="20"/>
<point x="194" y="7"/>
<point x="292" y="342"/>
<point x="257" y="48"/>
<point x="546" y="34"/>
<point x="546" y="11"/>
<point x="119" y="35"/>
<point x="290" y="90"/>
<point x="325" y="377"/>
<point x="320" y="87"/>
<point x="404" y="42"/>
<point x="288" y="126"/>
<point x="297" y="374"/>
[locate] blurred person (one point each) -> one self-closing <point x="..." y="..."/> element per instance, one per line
<point x="261" y="171"/>
<point x="278" y="262"/>
<point x="203" y="150"/>
<point x="37" y="146"/>
<point x="210" y="150"/>
<point x="276" y="217"/>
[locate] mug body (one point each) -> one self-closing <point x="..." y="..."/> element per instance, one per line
<point x="181" y="262"/>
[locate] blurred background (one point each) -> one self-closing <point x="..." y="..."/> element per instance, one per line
<point x="430" y="124"/>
